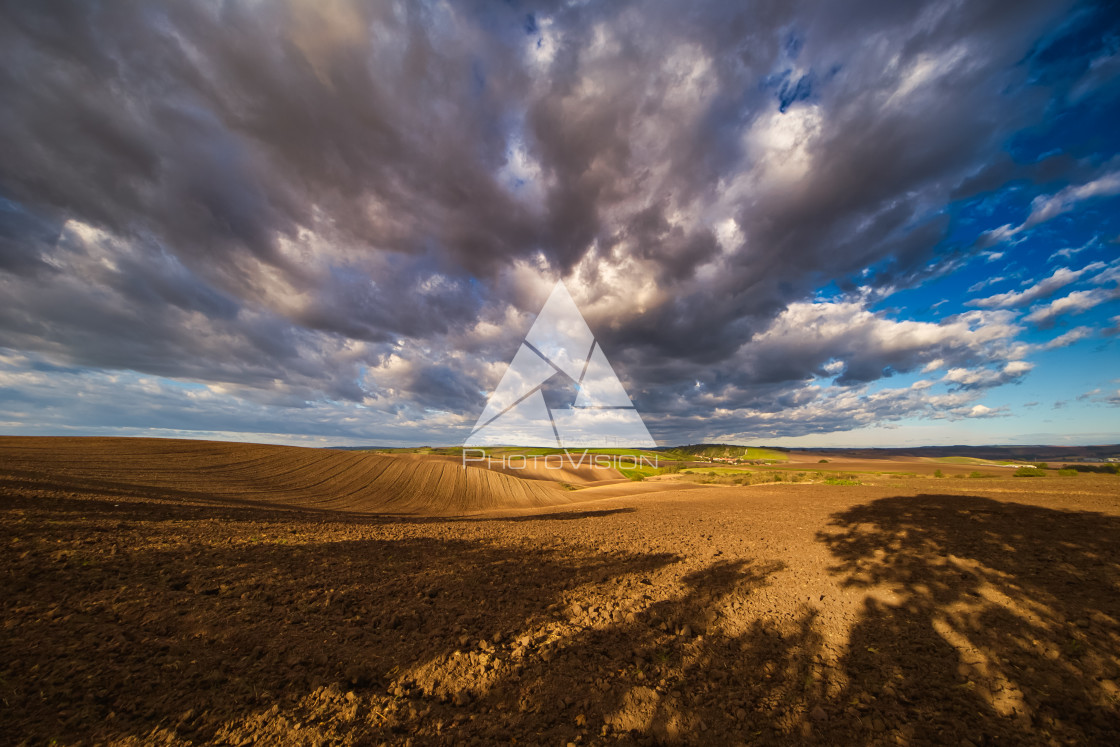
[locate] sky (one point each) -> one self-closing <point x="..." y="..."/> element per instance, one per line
<point x="313" y="222"/>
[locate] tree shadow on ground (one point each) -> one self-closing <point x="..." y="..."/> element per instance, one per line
<point x="1000" y="622"/>
<point x="153" y="626"/>
<point x="986" y="621"/>
<point x="162" y="626"/>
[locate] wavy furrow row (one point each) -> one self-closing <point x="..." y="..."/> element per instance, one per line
<point x="287" y="475"/>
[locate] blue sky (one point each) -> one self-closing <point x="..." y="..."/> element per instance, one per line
<point x="807" y="224"/>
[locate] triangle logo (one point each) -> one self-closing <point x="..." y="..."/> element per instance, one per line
<point x="560" y="350"/>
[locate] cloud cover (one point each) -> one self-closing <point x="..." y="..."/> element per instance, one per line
<point x="303" y="203"/>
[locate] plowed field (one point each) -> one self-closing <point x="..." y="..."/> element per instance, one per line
<point x="169" y="592"/>
<point x="202" y="471"/>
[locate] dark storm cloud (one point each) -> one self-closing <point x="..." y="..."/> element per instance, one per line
<point x="23" y="237"/>
<point x="293" y="198"/>
<point x="877" y="169"/>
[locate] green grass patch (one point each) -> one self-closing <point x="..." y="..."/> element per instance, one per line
<point x="755" y="452"/>
<point x="841" y="481"/>
<point x="639" y="473"/>
<point x="1030" y="472"/>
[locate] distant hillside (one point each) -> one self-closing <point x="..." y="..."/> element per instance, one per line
<point x="730" y="451"/>
<point x="1037" y="453"/>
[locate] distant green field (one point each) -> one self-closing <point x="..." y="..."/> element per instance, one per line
<point x="624" y="452"/>
<point x="639" y="473"/>
<point x="969" y="460"/>
<point x="520" y="450"/>
<point x="757" y="452"/>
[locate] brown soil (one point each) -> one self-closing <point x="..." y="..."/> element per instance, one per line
<point x="185" y="592"/>
<point x="574" y="470"/>
<point x="216" y="472"/>
<point x="917" y="465"/>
